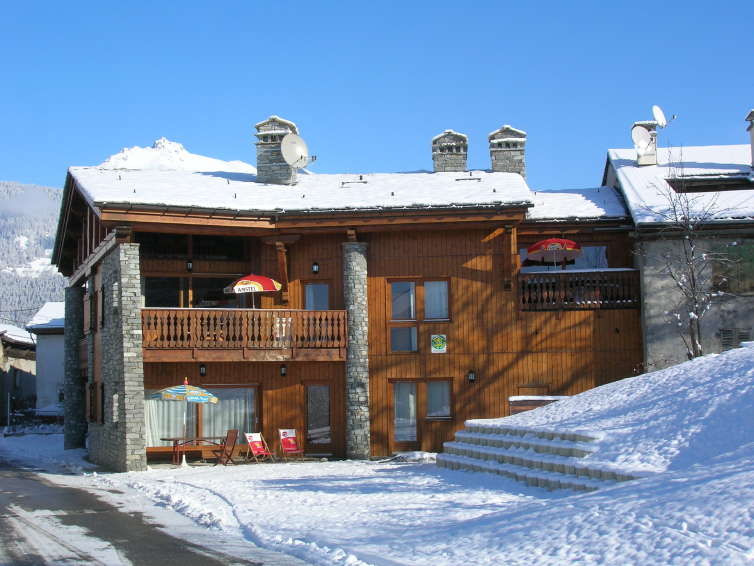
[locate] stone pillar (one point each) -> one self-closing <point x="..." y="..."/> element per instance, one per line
<point x="357" y="357"/>
<point x="74" y="423"/>
<point x="120" y="441"/>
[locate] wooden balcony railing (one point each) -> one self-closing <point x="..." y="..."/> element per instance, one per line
<point x="168" y="328"/>
<point x="579" y="290"/>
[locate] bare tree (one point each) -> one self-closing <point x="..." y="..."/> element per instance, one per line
<point x="691" y="257"/>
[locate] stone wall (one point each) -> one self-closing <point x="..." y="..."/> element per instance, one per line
<point x="271" y="167"/>
<point x="74" y="422"/>
<point x="662" y="340"/>
<point x="508" y="150"/>
<point x="449" y="152"/>
<point x="119" y="442"/>
<point x="357" y="359"/>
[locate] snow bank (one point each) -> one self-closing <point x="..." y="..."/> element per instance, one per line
<point x="666" y="420"/>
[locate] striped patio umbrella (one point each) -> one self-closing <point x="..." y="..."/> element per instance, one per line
<point x="186" y="393"/>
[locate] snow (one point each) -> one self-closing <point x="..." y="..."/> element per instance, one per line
<point x="506" y="128"/>
<point x="166" y="155"/>
<point x="315" y="192"/>
<point x="22" y="241"/>
<point x="688" y="429"/>
<point x="51" y="315"/>
<point x="644" y="186"/>
<point x="451" y="133"/>
<point x="16" y="334"/>
<point x="599" y="203"/>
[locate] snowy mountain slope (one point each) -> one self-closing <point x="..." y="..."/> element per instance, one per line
<point x="28" y="217"/>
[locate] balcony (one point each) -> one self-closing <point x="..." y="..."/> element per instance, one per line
<point x="579" y="290"/>
<point x="176" y="335"/>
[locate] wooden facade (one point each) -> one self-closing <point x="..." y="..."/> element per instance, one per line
<point x="515" y="333"/>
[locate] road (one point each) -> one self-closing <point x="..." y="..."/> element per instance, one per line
<point x="43" y="523"/>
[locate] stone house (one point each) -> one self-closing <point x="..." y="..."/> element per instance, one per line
<point x="714" y="181"/>
<point x="17" y="373"/>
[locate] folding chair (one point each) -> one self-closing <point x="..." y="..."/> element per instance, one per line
<point x="224" y="454"/>
<point x="257" y="448"/>
<point x="288" y="443"/>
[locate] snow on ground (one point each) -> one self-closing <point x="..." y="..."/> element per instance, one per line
<point x="689" y="428"/>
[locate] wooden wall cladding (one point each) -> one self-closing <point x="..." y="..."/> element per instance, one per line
<point x="281" y="399"/>
<point x="566" y="352"/>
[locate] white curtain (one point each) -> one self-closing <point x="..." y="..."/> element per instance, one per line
<point x="164" y="419"/>
<point x="235" y="409"/>
<point x="404" y="404"/>
<point x="436" y="299"/>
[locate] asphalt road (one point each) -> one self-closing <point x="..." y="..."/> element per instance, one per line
<point x="42" y="523"/>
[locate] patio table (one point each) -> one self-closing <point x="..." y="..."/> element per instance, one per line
<point x="181" y="442"/>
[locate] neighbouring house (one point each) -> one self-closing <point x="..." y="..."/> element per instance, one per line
<point x="406" y="306"/>
<point x="711" y="190"/>
<point x="48" y="326"/>
<point x="17" y="374"/>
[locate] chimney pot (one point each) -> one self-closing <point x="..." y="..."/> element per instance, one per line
<point x="271" y="167"/>
<point x="508" y="150"/>
<point x="450" y="151"/>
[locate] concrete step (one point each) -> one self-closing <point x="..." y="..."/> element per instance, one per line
<point x="544" y="458"/>
<point x="530" y="432"/>
<point x="554" y="463"/>
<point x="537" y="478"/>
<point x="529" y="442"/>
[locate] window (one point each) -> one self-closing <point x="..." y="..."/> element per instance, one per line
<point x="404" y="411"/>
<point x="438" y="399"/>
<point x="403" y="339"/>
<point x="318" y="427"/>
<point x="414" y="302"/>
<point x="436" y="300"/>
<point x="219" y="247"/>
<point x="403" y="295"/>
<point x="732" y="337"/>
<point x="316" y="296"/>
<point x="208" y="292"/>
<point x="162" y="246"/>
<point x="735" y="274"/>
<point x="162" y="291"/>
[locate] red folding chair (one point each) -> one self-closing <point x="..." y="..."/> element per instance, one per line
<point x="288" y="443"/>
<point x="257" y="448"/>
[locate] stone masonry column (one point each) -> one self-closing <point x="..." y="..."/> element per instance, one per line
<point x="74" y="423"/>
<point x="357" y="356"/>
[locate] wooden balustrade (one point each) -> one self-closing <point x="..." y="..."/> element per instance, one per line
<point x="579" y="290"/>
<point x="166" y="328"/>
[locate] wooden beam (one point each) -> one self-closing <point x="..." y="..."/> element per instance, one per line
<point x="282" y="254"/>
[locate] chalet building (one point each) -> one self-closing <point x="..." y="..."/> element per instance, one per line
<point x="710" y="189"/>
<point x="407" y="305"/>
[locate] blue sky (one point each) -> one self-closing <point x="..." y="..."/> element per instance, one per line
<point x="368" y="83"/>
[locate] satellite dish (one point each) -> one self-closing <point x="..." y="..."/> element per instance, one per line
<point x="640" y="136"/>
<point x="294" y="151"/>
<point x="659" y="116"/>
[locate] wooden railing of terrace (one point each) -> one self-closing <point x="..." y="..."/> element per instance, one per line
<point x="243" y="334"/>
<point x="579" y="290"/>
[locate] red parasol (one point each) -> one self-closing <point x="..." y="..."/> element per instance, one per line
<point x="553" y="250"/>
<point x="253" y="284"/>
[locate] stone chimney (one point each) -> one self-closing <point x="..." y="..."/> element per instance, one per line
<point x="750" y="129"/>
<point x="271" y="167"/>
<point x="450" y="151"/>
<point x="507" y="150"/>
<point x="645" y="145"/>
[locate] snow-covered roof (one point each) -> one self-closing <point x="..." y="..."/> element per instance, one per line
<point x="16" y="334"/>
<point x="644" y="186"/>
<point x="577" y="204"/>
<point x="279" y="120"/>
<point x="168" y="175"/>
<point x="50" y="317"/>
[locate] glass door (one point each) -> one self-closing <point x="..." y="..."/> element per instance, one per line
<point x="236" y="409"/>
<point x="319" y="433"/>
<point x="404" y="435"/>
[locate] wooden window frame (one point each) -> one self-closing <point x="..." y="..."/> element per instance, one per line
<point x="419" y="311"/>
<point x="421" y="408"/>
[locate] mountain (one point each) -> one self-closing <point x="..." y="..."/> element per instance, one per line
<point x="28" y="219"/>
